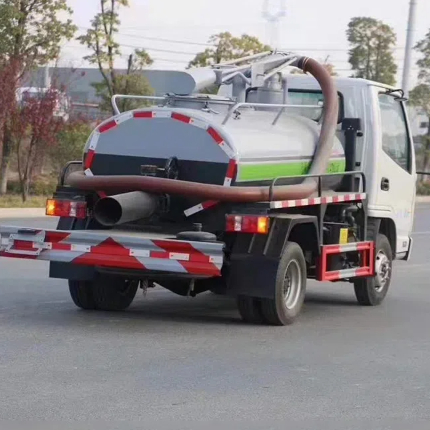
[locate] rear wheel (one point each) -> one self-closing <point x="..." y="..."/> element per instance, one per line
<point x="372" y="291"/>
<point x="114" y="294"/>
<point x="290" y="288"/>
<point x="250" y="310"/>
<point x="82" y="294"/>
<point x="105" y="293"/>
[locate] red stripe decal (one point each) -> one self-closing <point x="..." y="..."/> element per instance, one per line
<point x="109" y="254"/>
<point x="61" y="247"/>
<point x="20" y="256"/>
<point x="89" y="158"/>
<point x="55" y="236"/>
<point x="23" y="245"/>
<point x="108" y="126"/>
<point x="231" y="170"/>
<point x="209" y="204"/>
<point x="199" y="263"/>
<point x="102" y="194"/>
<point x="142" y="115"/>
<point x="215" y="135"/>
<point x="182" y="118"/>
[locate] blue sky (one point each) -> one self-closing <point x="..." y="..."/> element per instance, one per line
<point x="312" y="27"/>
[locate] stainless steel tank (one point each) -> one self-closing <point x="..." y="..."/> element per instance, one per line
<point x="205" y="148"/>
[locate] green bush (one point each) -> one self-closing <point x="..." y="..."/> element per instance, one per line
<point x="423" y="189"/>
<point x="71" y="142"/>
<point x="38" y="188"/>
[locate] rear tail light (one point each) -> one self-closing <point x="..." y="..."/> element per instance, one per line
<point x="66" y="208"/>
<point x="248" y="224"/>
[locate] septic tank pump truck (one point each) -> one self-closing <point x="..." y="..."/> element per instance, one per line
<point x="275" y="180"/>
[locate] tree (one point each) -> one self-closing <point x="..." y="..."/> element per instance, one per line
<point x="371" y="54"/>
<point x="423" y="47"/>
<point x="227" y="47"/>
<point x="31" y="34"/>
<point x="133" y="82"/>
<point x="100" y="39"/>
<point x="34" y="129"/>
<point x="420" y="95"/>
<point x="70" y="143"/>
<point x="420" y="98"/>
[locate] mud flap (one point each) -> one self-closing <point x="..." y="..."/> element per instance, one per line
<point x="252" y="276"/>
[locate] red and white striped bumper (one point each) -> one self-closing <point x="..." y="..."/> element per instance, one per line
<point x="337" y="198"/>
<point x="113" y="250"/>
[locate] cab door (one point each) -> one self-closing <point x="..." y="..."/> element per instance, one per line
<point x="395" y="166"/>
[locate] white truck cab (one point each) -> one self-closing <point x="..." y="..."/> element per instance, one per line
<point x="385" y="152"/>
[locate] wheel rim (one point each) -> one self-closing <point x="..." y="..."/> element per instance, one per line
<point x="383" y="271"/>
<point x="292" y="284"/>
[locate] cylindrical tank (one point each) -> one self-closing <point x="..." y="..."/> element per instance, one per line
<point x="247" y="150"/>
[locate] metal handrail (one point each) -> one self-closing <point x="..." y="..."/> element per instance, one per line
<point x="125" y="96"/>
<point x="266" y="105"/>
<point x="320" y="177"/>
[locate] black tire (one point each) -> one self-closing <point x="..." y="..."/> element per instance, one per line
<point x="113" y="294"/>
<point x="82" y="294"/>
<point x="284" y="310"/>
<point x="250" y="310"/>
<point x="372" y="291"/>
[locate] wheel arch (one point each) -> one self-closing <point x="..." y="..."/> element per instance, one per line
<point x="254" y="261"/>
<point x="301" y="229"/>
<point x="385" y="226"/>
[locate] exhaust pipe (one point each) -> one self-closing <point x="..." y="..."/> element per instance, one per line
<point x="123" y="208"/>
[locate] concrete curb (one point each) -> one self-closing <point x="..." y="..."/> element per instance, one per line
<point x="423" y="199"/>
<point x="22" y="213"/>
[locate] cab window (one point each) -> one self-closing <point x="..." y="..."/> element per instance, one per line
<point x="395" y="136"/>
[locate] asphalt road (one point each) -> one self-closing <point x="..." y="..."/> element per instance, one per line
<point x="172" y="359"/>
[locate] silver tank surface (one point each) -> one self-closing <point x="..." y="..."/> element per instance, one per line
<point x="205" y="148"/>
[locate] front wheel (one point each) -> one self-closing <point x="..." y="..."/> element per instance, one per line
<point x="372" y="291"/>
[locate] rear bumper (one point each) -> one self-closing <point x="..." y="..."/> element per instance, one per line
<point x="114" y="251"/>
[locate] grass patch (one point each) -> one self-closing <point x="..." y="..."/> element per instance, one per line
<point x="15" y="201"/>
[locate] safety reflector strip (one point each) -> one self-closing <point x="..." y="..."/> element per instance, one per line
<point x="231" y="172"/>
<point x="340" y="198"/>
<point x="146" y="114"/>
<point x="89" y="158"/>
<point x="182" y="118"/>
<point x="108" y="126"/>
<point x="200" y="207"/>
<point x="215" y="135"/>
